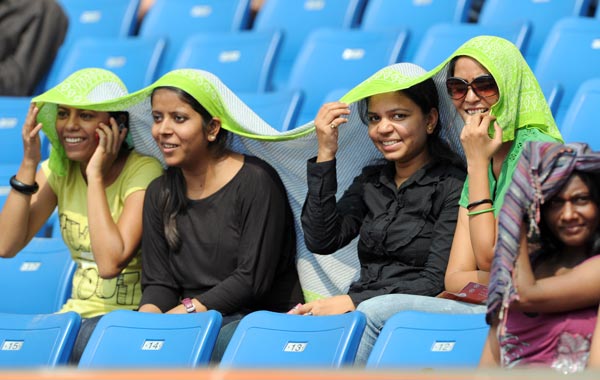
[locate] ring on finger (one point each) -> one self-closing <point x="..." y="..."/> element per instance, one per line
<point x="309" y="313"/>
<point x="333" y="125"/>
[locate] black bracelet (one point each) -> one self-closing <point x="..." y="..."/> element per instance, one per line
<point x="477" y="203"/>
<point x="23" y="188"/>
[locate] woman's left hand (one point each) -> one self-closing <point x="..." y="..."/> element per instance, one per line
<point x="477" y="144"/>
<point x="110" y="139"/>
<point x="326" y="306"/>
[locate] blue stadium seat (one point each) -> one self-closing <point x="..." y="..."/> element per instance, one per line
<point x="134" y="60"/>
<point x="441" y="40"/>
<point x="13" y="111"/>
<point x="130" y="339"/>
<point x="416" y="16"/>
<point x="100" y="18"/>
<point x="38" y="279"/>
<point x="178" y="20"/>
<point x="553" y="93"/>
<point x="279" y="108"/>
<point x="542" y="15"/>
<point x="297" y="19"/>
<point x="265" y="339"/>
<point x="421" y="340"/>
<point x="334" y="58"/>
<point x="570" y="55"/>
<point x="242" y="60"/>
<point x="580" y="121"/>
<point x="37" y="340"/>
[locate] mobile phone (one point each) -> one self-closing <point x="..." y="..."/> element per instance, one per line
<point x="122" y="118"/>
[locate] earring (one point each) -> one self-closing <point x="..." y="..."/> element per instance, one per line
<point x="211" y="137"/>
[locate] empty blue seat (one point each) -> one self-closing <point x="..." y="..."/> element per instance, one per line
<point x="135" y="59"/>
<point x="570" y="55"/>
<point x="297" y="19"/>
<point x="441" y="40"/>
<point x="178" y="20"/>
<point x="334" y="58"/>
<point x="38" y="279"/>
<point x="415" y="16"/>
<point x="553" y="93"/>
<point x="37" y="340"/>
<point x="279" y="109"/>
<point x="415" y="339"/>
<point x="542" y="15"/>
<point x="13" y="111"/>
<point x="579" y="124"/>
<point x="242" y="60"/>
<point x="100" y="18"/>
<point x="130" y="339"/>
<point x="265" y="339"/>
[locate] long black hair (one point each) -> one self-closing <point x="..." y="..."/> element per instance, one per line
<point x="173" y="188"/>
<point x="425" y="95"/>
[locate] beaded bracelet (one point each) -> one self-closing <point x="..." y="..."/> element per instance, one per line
<point x="480" y="202"/>
<point x="23" y="188"/>
<point x="471" y="213"/>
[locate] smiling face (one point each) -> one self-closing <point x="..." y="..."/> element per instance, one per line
<point x="572" y="215"/>
<point x="398" y="127"/>
<point x="179" y="130"/>
<point x="76" y="130"/>
<point x="468" y="69"/>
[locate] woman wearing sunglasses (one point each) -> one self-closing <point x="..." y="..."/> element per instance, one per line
<point x="502" y="106"/>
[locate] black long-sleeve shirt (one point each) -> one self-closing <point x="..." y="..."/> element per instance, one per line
<point x="405" y="233"/>
<point x="238" y="247"/>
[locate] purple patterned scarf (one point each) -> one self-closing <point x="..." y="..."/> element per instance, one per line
<point x="542" y="170"/>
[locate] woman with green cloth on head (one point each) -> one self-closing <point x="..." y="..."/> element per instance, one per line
<point x="498" y="106"/>
<point x="98" y="183"/>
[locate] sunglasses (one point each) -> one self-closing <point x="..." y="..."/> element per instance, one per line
<point x="483" y="86"/>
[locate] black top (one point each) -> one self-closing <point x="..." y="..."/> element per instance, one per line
<point x="238" y="247"/>
<point x="405" y="233"/>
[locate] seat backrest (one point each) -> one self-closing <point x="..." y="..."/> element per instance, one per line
<point x="421" y="340"/>
<point x="13" y="111"/>
<point x="297" y="19"/>
<point x="134" y="59"/>
<point x="580" y="119"/>
<point x="553" y="93"/>
<point x="43" y="271"/>
<point x="130" y="339"/>
<point x="265" y="339"/>
<point x="335" y="58"/>
<point x="415" y="16"/>
<point x="542" y="15"/>
<point x="441" y="40"/>
<point x="177" y="20"/>
<point x="100" y="18"/>
<point x="37" y="340"/>
<point x="242" y="60"/>
<point x="570" y="55"/>
<point x="279" y="108"/>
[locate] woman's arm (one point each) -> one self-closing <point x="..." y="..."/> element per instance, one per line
<point x="479" y="149"/>
<point x="594" y="358"/>
<point x="113" y="244"/>
<point x="23" y="215"/>
<point x="490" y="357"/>
<point x="462" y="266"/>
<point x="575" y="289"/>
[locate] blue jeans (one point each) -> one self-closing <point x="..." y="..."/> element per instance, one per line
<point x="379" y="309"/>
<point x="85" y="331"/>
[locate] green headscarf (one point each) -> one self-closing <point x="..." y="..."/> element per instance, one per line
<point x="85" y="89"/>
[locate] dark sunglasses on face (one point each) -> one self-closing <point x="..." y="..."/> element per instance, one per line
<point x="483" y="86"/>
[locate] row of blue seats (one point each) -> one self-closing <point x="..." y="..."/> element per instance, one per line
<point x="248" y="61"/>
<point x="262" y="339"/>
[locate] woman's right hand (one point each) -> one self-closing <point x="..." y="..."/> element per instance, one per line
<point x="328" y="119"/>
<point x="477" y="144"/>
<point x="32" y="146"/>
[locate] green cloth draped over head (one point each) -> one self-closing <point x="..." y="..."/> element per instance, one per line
<point x="521" y="103"/>
<point x="88" y="89"/>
